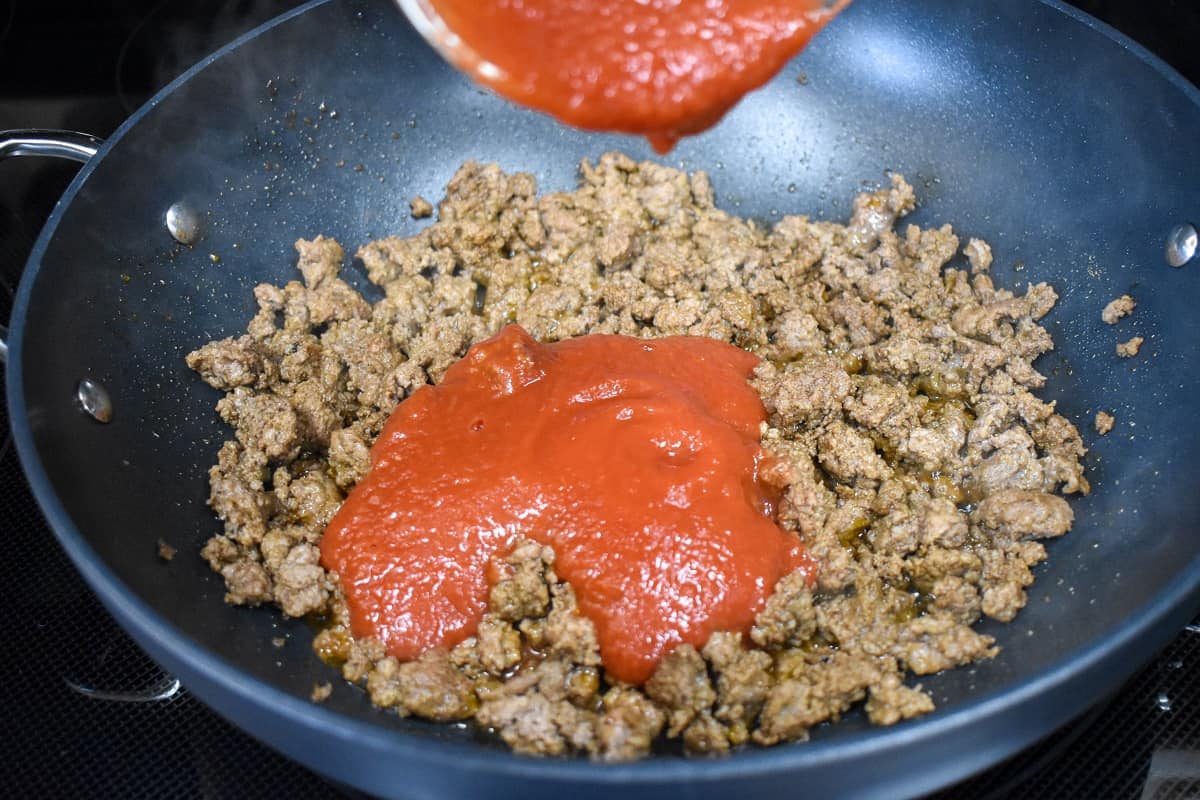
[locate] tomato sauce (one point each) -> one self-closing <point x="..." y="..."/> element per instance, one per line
<point x="636" y="460"/>
<point x="658" y="68"/>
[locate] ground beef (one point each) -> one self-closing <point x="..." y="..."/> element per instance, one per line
<point x="1017" y="514"/>
<point x="979" y="256"/>
<point x="681" y="686"/>
<point x="1121" y="307"/>
<point x="1104" y="422"/>
<point x="1130" y="348"/>
<point x="420" y="207"/>
<point x="911" y="456"/>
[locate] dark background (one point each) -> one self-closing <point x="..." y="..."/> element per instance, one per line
<point x="87" y="66"/>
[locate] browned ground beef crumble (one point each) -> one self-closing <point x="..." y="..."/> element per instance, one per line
<point x="1121" y="307"/>
<point x="1130" y="348"/>
<point x="420" y="207"/>
<point x="916" y="463"/>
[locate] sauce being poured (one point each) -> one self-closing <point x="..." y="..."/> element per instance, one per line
<point x="636" y="460"/>
<point x="658" y="68"/>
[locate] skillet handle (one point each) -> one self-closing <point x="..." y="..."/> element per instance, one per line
<point x="59" y="144"/>
<point x="70" y="145"/>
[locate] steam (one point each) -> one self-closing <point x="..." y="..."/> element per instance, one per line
<point x="172" y="37"/>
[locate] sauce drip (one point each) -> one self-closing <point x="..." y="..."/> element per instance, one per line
<point x="658" y="68"/>
<point x="636" y="460"/>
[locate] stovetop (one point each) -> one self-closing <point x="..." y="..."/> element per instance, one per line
<point x="84" y="713"/>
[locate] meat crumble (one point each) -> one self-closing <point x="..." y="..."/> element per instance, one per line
<point x="1121" y="307"/>
<point x="913" y="458"/>
<point x="1130" y="348"/>
<point x="420" y="207"/>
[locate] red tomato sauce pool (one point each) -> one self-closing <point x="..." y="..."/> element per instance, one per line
<point x="658" y="68"/>
<point x="636" y="460"/>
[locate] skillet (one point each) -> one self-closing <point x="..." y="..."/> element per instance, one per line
<point x="1023" y="123"/>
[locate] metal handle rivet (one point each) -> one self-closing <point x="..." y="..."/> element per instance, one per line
<point x="184" y="224"/>
<point x="1181" y="244"/>
<point x="94" y="400"/>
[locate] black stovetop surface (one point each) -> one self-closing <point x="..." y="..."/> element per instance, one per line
<point x="83" y="713"/>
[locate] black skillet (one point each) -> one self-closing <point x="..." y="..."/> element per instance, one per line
<point x="1024" y="123"/>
